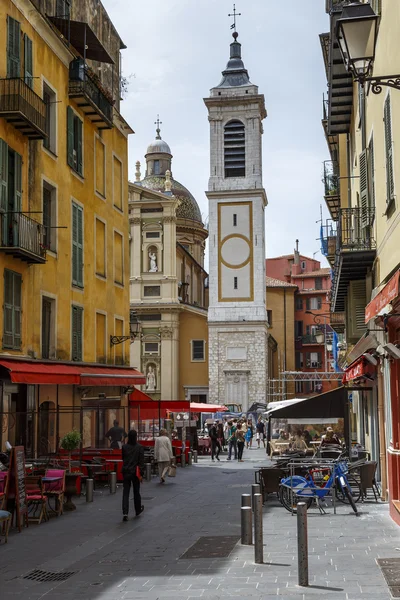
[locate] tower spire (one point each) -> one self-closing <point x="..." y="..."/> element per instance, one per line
<point x="158" y="130"/>
<point x="233" y="26"/>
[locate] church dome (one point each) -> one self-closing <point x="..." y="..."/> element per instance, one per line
<point x="158" y="146"/>
<point x="188" y="208"/>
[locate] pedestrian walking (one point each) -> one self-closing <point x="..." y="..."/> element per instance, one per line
<point x="240" y="436"/>
<point x="163" y="454"/>
<point x="260" y="432"/>
<point x="249" y="435"/>
<point x="215" y="445"/>
<point x="232" y="440"/>
<point x="220" y="435"/>
<point x="132" y="470"/>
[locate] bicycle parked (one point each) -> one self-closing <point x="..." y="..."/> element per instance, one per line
<point x="317" y="484"/>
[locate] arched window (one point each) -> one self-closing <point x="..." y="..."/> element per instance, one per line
<point x="234" y="149"/>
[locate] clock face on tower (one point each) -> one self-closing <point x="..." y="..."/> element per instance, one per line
<point x="235" y="252"/>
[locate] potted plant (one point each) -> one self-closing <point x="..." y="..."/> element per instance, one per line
<point x="70" y="442"/>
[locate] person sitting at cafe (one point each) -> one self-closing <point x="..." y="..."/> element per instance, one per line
<point x="330" y="439"/>
<point x="297" y="443"/>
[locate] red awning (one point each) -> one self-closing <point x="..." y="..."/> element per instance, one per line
<point x="357" y="370"/>
<point x="207" y="408"/>
<point x="385" y="296"/>
<point x="64" y="374"/>
<point x="137" y="396"/>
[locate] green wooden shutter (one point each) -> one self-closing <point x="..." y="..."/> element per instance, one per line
<point x="319" y="303"/>
<point x="308" y="305"/>
<point x="79" y="147"/>
<point x="13" y="48"/>
<point x="77" y="245"/>
<point x="364" y="188"/>
<point x="3" y="175"/>
<point x="371" y="177"/>
<point x="389" y="151"/>
<point x="12" y="310"/>
<point x="18" y="182"/>
<point x="28" y="61"/>
<point x="77" y="313"/>
<point x="17" y="281"/>
<point x="47" y="217"/>
<point x="70" y="137"/>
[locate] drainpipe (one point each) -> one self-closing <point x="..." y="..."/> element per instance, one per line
<point x="284" y="328"/>
<point x="382" y="435"/>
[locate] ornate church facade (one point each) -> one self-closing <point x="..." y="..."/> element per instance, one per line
<point x="168" y="282"/>
<point x="237" y="316"/>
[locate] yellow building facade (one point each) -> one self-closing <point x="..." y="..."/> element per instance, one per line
<point x="168" y="282"/>
<point x="64" y="249"/>
<point x="362" y="129"/>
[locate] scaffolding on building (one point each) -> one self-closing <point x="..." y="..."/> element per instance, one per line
<point x="284" y="388"/>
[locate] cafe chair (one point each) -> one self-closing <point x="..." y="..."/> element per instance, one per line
<point x="5" y="522"/>
<point x="35" y="499"/>
<point x="3" y="482"/>
<point x="367" y="479"/>
<point x="56" y="489"/>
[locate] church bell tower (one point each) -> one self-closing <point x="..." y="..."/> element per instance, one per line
<point x="237" y="316"/>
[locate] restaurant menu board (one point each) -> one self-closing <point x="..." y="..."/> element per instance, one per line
<point x="16" y="484"/>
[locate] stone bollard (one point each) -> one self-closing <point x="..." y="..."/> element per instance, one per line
<point x="195" y="455"/>
<point x="245" y="524"/>
<point x="89" y="490"/>
<point x="302" y="544"/>
<point x="148" y="472"/>
<point x="183" y="460"/>
<point x="255" y="489"/>
<point x="246" y="500"/>
<point x="258" y="529"/>
<point x="112" y="481"/>
<point x="190" y="459"/>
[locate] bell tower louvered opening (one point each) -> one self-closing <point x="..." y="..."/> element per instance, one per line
<point x="234" y="149"/>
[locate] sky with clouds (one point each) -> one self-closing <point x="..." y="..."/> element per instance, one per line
<point x="176" y="50"/>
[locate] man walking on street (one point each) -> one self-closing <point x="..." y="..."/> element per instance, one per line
<point x="260" y="428"/>
<point x="215" y="445"/>
<point x="132" y="470"/>
<point x="232" y="441"/>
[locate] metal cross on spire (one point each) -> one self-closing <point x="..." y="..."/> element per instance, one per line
<point x="234" y="15"/>
<point x="158" y="123"/>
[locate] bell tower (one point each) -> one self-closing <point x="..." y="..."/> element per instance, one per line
<point x="237" y="317"/>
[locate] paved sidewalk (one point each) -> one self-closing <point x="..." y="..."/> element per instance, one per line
<point x="111" y="560"/>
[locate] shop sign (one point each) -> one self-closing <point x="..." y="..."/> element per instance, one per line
<point x="354" y="372"/>
<point x="385" y="296"/>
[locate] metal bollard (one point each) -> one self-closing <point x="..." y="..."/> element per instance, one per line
<point x="183" y="460"/>
<point x="148" y="472"/>
<point x="195" y="456"/>
<point x="112" y="481"/>
<point x="255" y="489"/>
<point x="245" y="523"/>
<point x="190" y="459"/>
<point x="89" y="490"/>
<point x="246" y="500"/>
<point x="302" y="544"/>
<point x="258" y="529"/>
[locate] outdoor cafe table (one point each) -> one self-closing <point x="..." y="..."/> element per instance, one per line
<point x="51" y="481"/>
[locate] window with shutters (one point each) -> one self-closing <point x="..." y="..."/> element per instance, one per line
<point x="118" y="184"/>
<point x="49" y="217"/>
<point x="371" y="176"/>
<point x="100" y="165"/>
<point x="364" y="192"/>
<point x="48" y="327"/>
<point x="119" y="348"/>
<point x="13" y="48"/>
<point x="234" y="149"/>
<point x="100" y="248"/>
<point x="299" y="303"/>
<point x="298" y="329"/>
<point x="10" y="192"/>
<point x="101" y="345"/>
<point x="314" y="303"/>
<point x="198" y="350"/>
<point x="28" y="61"/>
<point x="77" y="245"/>
<point x="50" y="100"/>
<point x="118" y="258"/>
<point x="74" y="141"/>
<point x="389" y="151"/>
<point x="12" y="308"/>
<point x="77" y="332"/>
<point x="299" y="360"/>
<point x="318" y="283"/>
<point x="355" y="311"/>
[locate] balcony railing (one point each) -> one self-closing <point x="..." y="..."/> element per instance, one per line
<point x="22" y="237"/>
<point x="355" y="231"/>
<point x="86" y="89"/>
<point x="22" y="107"/>
<point x="331" y="178"/>
<point x="309" y="339"/>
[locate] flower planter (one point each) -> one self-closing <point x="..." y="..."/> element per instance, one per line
<point x="71" y="481"/>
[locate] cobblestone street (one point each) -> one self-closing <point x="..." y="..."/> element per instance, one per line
<point x="111" y="560"/>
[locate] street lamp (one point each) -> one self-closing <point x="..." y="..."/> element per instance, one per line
<point x="320" y="336"/>
<point x="356" y="34"/>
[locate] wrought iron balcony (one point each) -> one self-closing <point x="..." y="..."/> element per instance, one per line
<point x="331" y="188"/>
<point x="309" y="339"/>
<point x="337" y="321"/>
<point x="22" y="237"/>
<point x="23" y="108"/>
<point x="355" y="251"/>
<point x="87" y="91"/>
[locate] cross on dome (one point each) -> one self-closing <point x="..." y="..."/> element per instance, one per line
<point x="158" y="123"/>
<point x="233" y="26"/>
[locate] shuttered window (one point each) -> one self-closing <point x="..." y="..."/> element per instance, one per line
<point x="74" y="141"/>
<point x="77" y="245"/>
<point x="364" y="188"/>
<point x="389" y="151"/>
<point x="77" y="326"/>
<point x="371" y="174"/>
<point x="28" y="60"/>
<point x="198" y="350"/>
<point x="3" y="176"/>
<point x="12" y="310"/>
<point x="13" y="48"/>
<point x="234" y="149"/>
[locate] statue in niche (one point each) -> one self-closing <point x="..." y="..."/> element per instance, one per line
<point x="153" y="261"/>
<point x="150" y="379"/>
